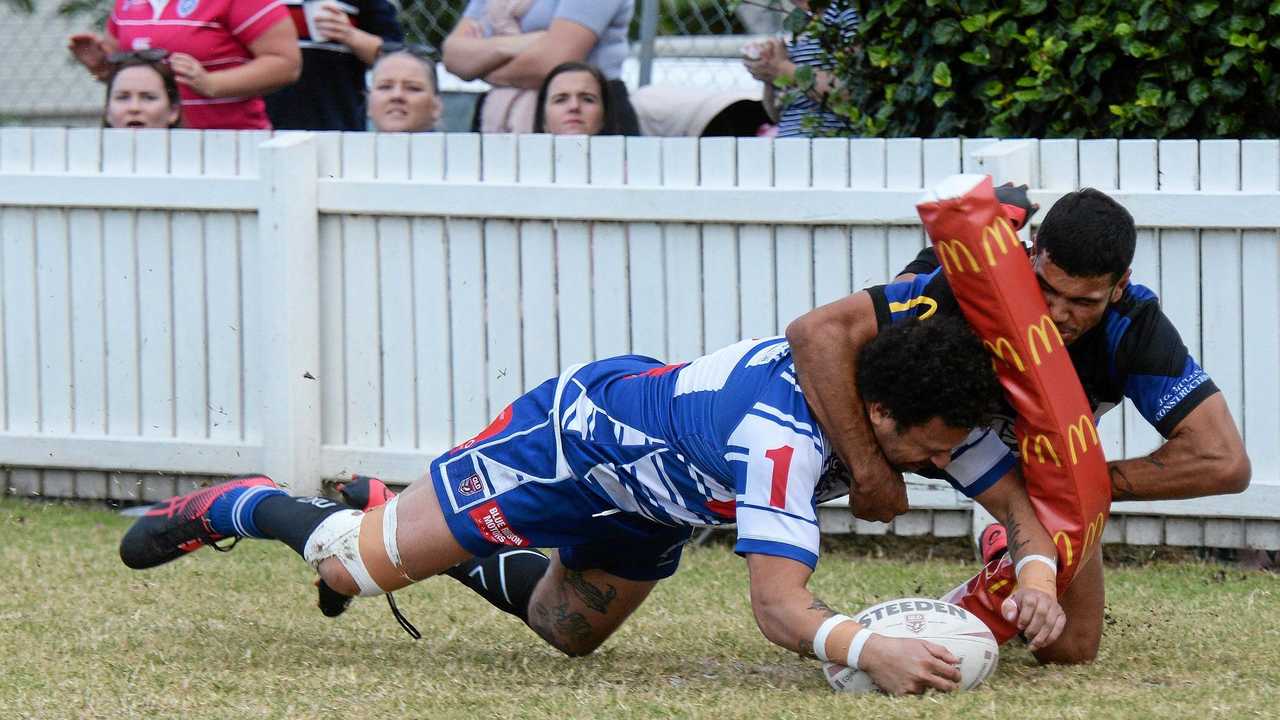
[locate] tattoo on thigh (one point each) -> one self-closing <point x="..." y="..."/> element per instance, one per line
<point x="594" y="597"/>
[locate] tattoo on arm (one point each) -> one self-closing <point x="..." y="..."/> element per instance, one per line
<point x="1016" y="539"/>
<point x="1121" y="487"/>
<point x="822" y="607"/>
<point x="592" y="596"/>
<point x="805" y="651"/>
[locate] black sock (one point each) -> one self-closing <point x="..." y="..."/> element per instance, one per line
<point x="506" y="579"/>
<point x="291" y="520"/>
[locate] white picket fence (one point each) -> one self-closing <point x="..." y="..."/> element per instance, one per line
<point x="183" y="304"/>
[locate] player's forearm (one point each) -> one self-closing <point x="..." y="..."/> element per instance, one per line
<point x="826" y="356"/>
<point x="1175" y="472"/>
<point x="1007" y="500"/>
<point x="791" y="621"/>
<point x="1204" y="455"/>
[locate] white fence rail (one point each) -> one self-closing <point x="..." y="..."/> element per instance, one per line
<point x="197" y="304"/>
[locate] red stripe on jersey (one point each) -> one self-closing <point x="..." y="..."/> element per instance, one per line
<point x="727" y="509"/>
<point x="781" y="458"/>
<point x="657" y="371"/>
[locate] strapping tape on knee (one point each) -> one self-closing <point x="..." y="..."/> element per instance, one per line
<point x="365" y="544"/>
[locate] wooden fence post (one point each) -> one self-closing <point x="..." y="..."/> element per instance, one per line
<point x="286" y="377"/>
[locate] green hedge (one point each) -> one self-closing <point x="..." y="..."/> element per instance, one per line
<point x="1031" y="68"/>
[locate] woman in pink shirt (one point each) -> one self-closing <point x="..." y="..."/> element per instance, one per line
<point x="225" y="54"/>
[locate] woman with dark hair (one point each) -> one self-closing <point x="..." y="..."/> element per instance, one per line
<point x="514" y="44"/>
<point x="574" y="100"/>
<point x="225" y="55"/>
<point x="141" y="93"/>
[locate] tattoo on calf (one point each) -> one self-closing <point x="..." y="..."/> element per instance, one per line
<point x="592" y="596"/>
<point x="557" y="625"/>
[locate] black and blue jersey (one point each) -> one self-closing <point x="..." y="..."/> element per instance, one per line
<point x="1135" y="352"/>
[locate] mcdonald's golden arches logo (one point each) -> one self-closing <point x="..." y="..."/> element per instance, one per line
<point x="1092" y="535"/>
<point x="1000" y="348"/>
<point x="1042" y="443"/>
<point x="998" y="232"/>
<point x="1081" y="430"/>
<point x="1042" y="329"/>
<point x="953" y="249"/>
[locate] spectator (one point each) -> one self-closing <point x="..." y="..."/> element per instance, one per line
<point x="770" y="60"/>
<point x="224" y="54"/>
<point x="403" y="93"/>
<point x="141" y="93"/>
<point x="573" y="101"/>
<point x="514" y="44"/>
<point x="335" y="58"/>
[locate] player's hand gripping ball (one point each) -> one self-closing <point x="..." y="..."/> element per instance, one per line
<point x="936" y="621"/>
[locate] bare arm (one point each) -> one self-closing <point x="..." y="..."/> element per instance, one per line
<point x="335" y="25"/>
<point x="789" y="615"/>
<point x="276" y="63"/>
<point x="468" y="54"/>
<point x="1204" y="455"/>
<point x="564" y="41"/>
<point x="91" y="50"/>
<point x="1034" y="602"/>
<point x="825" y="344"/>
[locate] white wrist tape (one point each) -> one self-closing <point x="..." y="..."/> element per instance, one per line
<point x="820" y="637"/>
<point x="860" y="639"/>
<point x="1017" y="569"/>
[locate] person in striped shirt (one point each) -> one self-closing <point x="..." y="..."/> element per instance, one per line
<point x="772" y="60"/>
<point x="614" y="463"/>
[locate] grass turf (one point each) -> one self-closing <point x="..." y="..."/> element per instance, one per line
<point x="238" y="635"/>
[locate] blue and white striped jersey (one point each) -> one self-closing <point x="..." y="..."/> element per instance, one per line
<point x="725" y="438"/>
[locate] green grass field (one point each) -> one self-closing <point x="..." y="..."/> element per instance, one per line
<point x="237" y="636"/>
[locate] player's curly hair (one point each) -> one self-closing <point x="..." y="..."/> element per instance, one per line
<point x="1088" y="234"/>
<point x="919" y="370"/>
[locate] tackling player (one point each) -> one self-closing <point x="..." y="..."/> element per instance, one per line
<point x="613" y="463"/>
<point x="1121" y="345"/>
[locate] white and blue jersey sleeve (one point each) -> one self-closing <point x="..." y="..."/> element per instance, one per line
<point x="981" y="460"/>
<point x="776" y="459"/>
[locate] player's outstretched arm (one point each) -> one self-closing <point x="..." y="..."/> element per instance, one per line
<point x="825" y="343"/>
<point x="790" y="616"/>
<point x="1204" y="455"/>
<point x="1034" y="604"/>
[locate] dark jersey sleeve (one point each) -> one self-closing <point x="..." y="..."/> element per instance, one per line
<point x="925" y="262"/>
<point x="919" y="297"/>
<point x="378" y="17"/>
<point x="1160" y="377"/>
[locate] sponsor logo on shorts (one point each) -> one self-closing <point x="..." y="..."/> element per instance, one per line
<point x="915" y="623"/>
<point x="493" y="525"/>
<point x="472" y="485"/>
